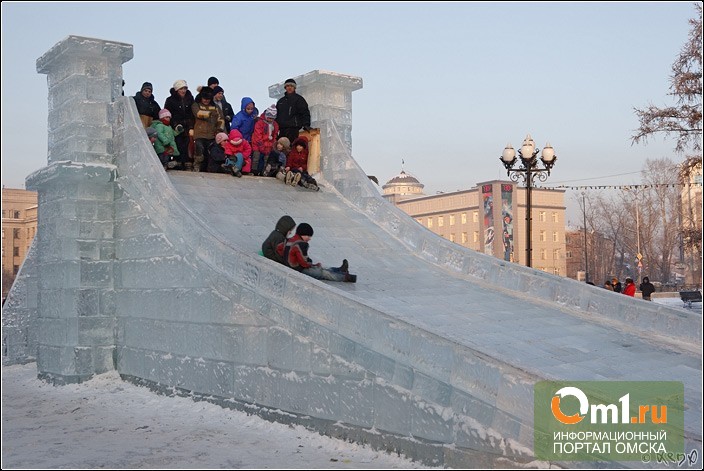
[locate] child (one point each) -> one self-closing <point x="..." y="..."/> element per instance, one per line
<point x="295" y="254"/>
<point x="297" y="165"/>
<point x="151" y="135"/>
<point x="276" y="159"/>
<point x="165" y="146"/>
<point x="278" y="236"/>
<point x="263" y="138"/>
<point x="244" y="120"/>
<point x="217" y="155"/>
<point x="238" y="151"/>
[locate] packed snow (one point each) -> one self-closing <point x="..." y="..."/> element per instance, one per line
<point x="109" y="423"/>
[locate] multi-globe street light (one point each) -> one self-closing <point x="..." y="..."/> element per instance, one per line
<point x="529" y="170"/>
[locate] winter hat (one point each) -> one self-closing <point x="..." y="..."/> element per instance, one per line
<point x="285" y="143"/>
<point x="206" y="92"/>
<point x="290" y="81"/>
<point x="164" y="113"/>
<point x="221" y="136"/>
<point x="146" y="85"/>
<point x="235" y="137"/>
<point x="151" y="132"/>
<point x="179" y="84"/>
<point x="217" y="90"/>
<point x="270" y="112"/>
<point x="213" y="80"/>
<point x="304" y="229"/>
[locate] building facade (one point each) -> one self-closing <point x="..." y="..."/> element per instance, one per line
<point x="491" y="218"/>
<point x="19" y="225"/>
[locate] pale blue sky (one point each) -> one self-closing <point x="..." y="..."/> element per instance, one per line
<point x="446" y="85"/>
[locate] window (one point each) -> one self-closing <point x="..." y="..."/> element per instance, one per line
<point x="17" y="215"/>
<point x="464" y="237"/>
<point x="542" y="216"/>
<point x="430" y="222"/>
<point x="441" y="221"/>
<point x="452" y="219"/>
<point x="420" y="221"/>
<point x="476" y="236"/>
<point x="543" y="254"/>
<point x="568" y="254"/>
<point x="556" y="254"/>
<point x="554" y="217"/>
<point x="452" y="237"/>
<point x="475" y="216"/>
<point x="556" y="271"/>
<point x="464" y="218"/>
<point x="555" y="236"/>
<point x="15" y="251"/>
<point x="543" y="236"/>
<point x="15" y="269"/>
<point x="16" y="233"/>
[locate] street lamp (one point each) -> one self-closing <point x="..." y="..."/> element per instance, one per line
<point x="586" y="259"/>
<point x="528" y="171"/>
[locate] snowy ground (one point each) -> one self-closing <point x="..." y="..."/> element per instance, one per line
<point x="109" y="423"/>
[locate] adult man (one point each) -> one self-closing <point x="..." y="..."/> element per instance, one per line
<point x="647" y="288"/>
<point x="147" y="107"/>
<point x="292" y="112"/>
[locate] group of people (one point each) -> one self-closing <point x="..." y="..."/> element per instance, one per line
<point x="629" y="289"/>
<point x="293" y="252"/>
<point x="204" y="134"/>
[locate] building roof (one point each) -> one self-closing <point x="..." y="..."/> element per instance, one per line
<point x="404" y="178"/>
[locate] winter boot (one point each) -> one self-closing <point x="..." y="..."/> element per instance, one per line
<point x="280" y="175"/>
<point x="350" y="278"/>
<point x="296" y="178"/>
<point x="267" y="170"/>
<point x="289" y="177"/>
<point x="197" y="162"/>
<point x="345" y="267"/>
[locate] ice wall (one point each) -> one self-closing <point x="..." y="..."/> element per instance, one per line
<point x="131" y="275"/>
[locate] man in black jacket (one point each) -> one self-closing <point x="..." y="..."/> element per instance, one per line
<point x="647" y="288"/>
<point x="292" y="112"/>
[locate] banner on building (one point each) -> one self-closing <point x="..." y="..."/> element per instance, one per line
<point x="507" y="220"/>
<point x="488" y="200"/>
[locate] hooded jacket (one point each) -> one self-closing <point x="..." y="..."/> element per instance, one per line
<point x="244" y="122"/>
<point x="278" y="236"/>
<point x="263" y="140"/>
<point x="297" y="159"/>
<point x="147" y="106"/>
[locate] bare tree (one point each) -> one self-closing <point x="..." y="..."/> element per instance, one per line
<point x="683" y="120"/>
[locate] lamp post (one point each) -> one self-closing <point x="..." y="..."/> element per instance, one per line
<point x="528" y="171"/>
<point x="586" y="259"/>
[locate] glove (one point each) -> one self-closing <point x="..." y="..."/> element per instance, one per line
<point x="178" y="128"/>
<point x="168" y="150"/>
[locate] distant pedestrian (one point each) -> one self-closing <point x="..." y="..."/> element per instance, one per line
<point x="608" y="285"/>
<point x="292" y="112"/>
<point x="647" y="288"/>
<point x="616" y="285"/>
<point x="630" y="288"/>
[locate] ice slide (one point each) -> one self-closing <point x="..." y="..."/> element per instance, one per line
<point x="433" y="352"/>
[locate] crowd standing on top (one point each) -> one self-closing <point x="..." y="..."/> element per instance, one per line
<point x="204" y="134"/>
